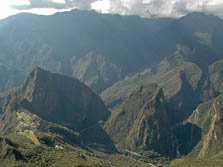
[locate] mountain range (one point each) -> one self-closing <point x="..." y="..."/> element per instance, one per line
<point x="147" y="90"/>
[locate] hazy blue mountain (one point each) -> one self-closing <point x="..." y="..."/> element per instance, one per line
<point x="125" y="44"/>
<point x="10" y="77"/>
<point x="57" y="43"/>
<point x="184" y="83"/>
<point x="190" y="70"/>
<point x="200" y="32"/>
<point x="115" y="55"/>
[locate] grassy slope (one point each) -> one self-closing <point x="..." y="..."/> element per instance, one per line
<point x="18" y="151"/>
<point x="193" y="162"/>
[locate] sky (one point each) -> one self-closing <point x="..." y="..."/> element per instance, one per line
<point x="144" y="8"/>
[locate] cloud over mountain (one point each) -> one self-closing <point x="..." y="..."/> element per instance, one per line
<point x="147" y="8"/>
<point x="57" y="4"/>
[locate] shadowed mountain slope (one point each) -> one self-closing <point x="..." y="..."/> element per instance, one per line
<point x="184" y="83"/>
<point x="58" y="99"/>
<point x="208" y="116"/>
<point x="101" y="49"/>
<point x="52" y="102"/>
<point x="55" y="120"/>
<point x="62" y="41"/>
<point x="141" y="124"/>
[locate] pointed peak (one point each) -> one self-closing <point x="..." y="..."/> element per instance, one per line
<point x="36" y="73"/>
<point x="38" y="76"/>
<point x="38" y="70"/>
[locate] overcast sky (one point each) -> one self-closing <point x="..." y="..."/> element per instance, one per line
<point x="146" y="8"/>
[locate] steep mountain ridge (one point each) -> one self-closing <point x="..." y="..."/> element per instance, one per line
<point x="185" y="83"/>
<point x="114" y="55"/>
<point x="31" y="129"/>
<point x="97" y="71"/>
<point x="122" y="40"/>
<point x="141" y="124"/>
<point x="202" y="135"/>
<point x="200" y="32"/>
<point x="208" y="116"/>
<point x="54" y="98"/>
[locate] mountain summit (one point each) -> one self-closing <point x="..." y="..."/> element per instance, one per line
<point x="56" y="98"/>
<point x="141" y="123"/>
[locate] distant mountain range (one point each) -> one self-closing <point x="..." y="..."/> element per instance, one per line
<point x="101" y="49"/>
<point x="95" y="48"/>
<point x="161" y="79"/>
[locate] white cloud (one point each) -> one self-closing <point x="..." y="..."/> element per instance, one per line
<point x="101" y="6"/>
<point x="6" y="8"/>
<point x="57" y="4"/>
<point x="5" y="11"/>
<point x="165" y="8"/>
<point x="45" y="11"/>
<point x="146" y="8"/>
<point x="19" y="2"/>
<point x="14" y="2"/>
<point x="59" y="1"/>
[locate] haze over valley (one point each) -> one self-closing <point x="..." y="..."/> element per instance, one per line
<point x="81" y="88"/>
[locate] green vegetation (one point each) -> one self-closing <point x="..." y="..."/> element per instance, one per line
<point x="19" y="151"/>
<point x="68" y="105"/>
<point x="32" y="141"/>
<point x="24" y="117"/>
<point x="84" y="33"/>
<point x="162" y="79"/>
<point x="193" y="162"/>
<point x="31" y="135"/>
<point x="141" y="124"/>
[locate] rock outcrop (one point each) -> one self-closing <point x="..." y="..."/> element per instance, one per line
<point x="141" y="123"/>
<point x="209" y="117"/>
<point x="57" y="99"/>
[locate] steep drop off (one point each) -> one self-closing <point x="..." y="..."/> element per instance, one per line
<point x="58" y="99"/>
<point x="141" y="124"/>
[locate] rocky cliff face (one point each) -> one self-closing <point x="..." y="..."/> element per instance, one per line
<point x="185" y="84"/>
<point x="96" y="71"/>
<point x="141" y="123"/>
<point x="57" y="99"/>
<point x="209" y="117"/>
<point x="123" y="40"/>
<point x="179" y="80"/>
